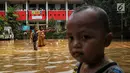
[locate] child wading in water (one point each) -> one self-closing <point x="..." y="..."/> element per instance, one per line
<point x="34" y="38"/>
<point x="88" y="34"/>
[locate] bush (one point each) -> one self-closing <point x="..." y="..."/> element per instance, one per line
<point x="49" y="35"/>
<point x="18" y="34"/>
<point x="55" y="35"/>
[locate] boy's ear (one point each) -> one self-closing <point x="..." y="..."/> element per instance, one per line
<point x="108" y="39"/>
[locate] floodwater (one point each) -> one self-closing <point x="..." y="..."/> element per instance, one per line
<point x="19" y="57"/>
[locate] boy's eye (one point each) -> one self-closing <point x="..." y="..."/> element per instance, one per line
<point x="70" y="38"/>
<point x="85" y="37"/>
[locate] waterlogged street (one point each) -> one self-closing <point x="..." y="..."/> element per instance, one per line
<point x="19" y="57"/>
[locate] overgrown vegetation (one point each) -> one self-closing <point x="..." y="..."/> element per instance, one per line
<point x="110" y="6"/>
<point x="11" y="20"/>
<point x="55" y="30"/>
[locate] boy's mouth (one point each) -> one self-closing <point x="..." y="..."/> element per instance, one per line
<point x="77" y="54"/>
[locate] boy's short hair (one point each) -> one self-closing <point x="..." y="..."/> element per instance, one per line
<point x="101" y="14"/>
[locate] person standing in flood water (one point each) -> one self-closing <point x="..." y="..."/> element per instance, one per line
<point x="41" y="37"/>
<point x="34" y="38"/>
<point x="88" y="34"/>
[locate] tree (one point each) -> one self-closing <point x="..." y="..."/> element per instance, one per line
<point x="11" y="20"/>
<point x="1" y="24"/>
<point x="110" y="6"/>
<point x="51" y="23"/>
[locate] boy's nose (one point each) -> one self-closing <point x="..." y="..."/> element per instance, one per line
<point x="76" y="44"/>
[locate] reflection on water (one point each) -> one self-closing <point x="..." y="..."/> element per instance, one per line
<point x="120" y="52"/>
<point x="19" y="57"/>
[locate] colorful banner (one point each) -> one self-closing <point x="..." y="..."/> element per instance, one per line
<point x="36" y="14"/>
<point x="36" y="17"/>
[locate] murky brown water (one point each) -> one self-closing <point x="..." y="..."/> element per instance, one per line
<point x="19" y="57"/>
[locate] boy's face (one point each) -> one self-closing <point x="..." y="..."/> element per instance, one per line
<point x="35" y="29"/>
<point x="86" y="37"/>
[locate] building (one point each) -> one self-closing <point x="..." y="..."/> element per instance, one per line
<point x="40" y="11"/>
